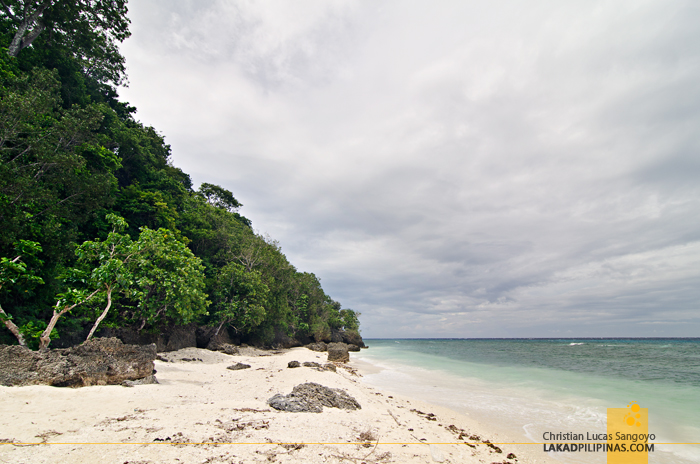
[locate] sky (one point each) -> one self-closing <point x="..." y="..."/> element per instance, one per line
<point x="449" y="168"/>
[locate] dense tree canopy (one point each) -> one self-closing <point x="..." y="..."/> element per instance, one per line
<point x="97" y="222"/>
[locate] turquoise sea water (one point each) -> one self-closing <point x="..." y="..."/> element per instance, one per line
<point x="526" y="387"/>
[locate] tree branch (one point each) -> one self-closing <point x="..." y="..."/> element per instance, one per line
<point x="8" y="11"/>
<point x="102" y="316"/>
<point x="12" y="327"/>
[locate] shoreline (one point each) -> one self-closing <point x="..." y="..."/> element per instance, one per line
<point x="202" y="412"/>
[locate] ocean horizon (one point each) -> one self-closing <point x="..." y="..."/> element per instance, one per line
<point x="525" y="387"/>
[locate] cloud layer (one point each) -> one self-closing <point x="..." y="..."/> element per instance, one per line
<point x="450" y="169"/>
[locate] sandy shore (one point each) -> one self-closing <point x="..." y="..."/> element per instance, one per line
<point x="202" y="412"/>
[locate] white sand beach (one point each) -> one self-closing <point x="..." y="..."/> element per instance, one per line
<point x="202" y="412"/>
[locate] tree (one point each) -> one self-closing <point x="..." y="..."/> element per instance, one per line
<point x="239" y="298"/>
<point x="219" y="197"/>
<point x="157" y="271"/>
<point x="53" y="166"/>
<point x="14" y="270"/>
<point x="114" y="257"/>
<point x="169" y="280"/>
<point x="90" y="29"/>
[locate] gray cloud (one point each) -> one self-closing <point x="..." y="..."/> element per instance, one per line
<point x="452" y="169"/>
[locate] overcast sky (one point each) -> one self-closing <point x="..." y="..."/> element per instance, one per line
<point x="449" y="168"/>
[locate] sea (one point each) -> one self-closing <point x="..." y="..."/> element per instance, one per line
<point x="526" y="387"/>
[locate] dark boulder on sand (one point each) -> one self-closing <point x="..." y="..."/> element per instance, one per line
<point x="312" y="397"/>
<point x="100" y="361"/>
<point x="238" y="366"/>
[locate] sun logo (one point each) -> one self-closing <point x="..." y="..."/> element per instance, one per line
<point x="631" y="418"/>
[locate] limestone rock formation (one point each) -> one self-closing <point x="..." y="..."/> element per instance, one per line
<point x="338" y="352"/>
<point x="319" y="346"/>
<point x="99" y="361"/>
<point x="312" y="397"/>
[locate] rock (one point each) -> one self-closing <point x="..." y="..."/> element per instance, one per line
<point x="353" y="348"/>
<point x="218" y="341"/>
<point x="352" y="337"/>
<point x="329" y="367"/>
<point x="238" y="366"/>
<point x="336" y="336"/>
<point x="292" y="364"/>
<point x="171" y="337"/>
<point x="312" y="397"/>
<point x="179" y="337"/>
<point x="206" y="338"/>
<point x="312" y="364"/>
<point x="100" y="361"/>
<point x="282" y="340"/>
<point x="151" y="379"/>
<point x="320" y="346"/>
<point x="228" y="349"/>
<point x="338" y="352"/>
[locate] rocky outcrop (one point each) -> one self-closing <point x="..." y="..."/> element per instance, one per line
<point x="100" y="361"/>
<point x="312" y="397"/>
<point x="282" y="341"/>
<point x="171" y="338"/>
<point x="208" y="338"/>
<point x="336" y="336"/>
<point x="338" y="352"/>
<point x="179" y="337"/>
<point x="318" y="346"/>
<point x="353" y="338"/>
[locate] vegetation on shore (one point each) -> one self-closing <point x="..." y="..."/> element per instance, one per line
<point x="99" y="229"/>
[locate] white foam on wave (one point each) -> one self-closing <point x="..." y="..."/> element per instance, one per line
<point x="514" y="404"/>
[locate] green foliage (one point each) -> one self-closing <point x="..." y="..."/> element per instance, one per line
<point x="169" y="279"/>
<point x="350" y="320"/>
<point x="88" y="29"/>
<point x="240" y="298"/>
<point x="14" y="269"/>
<point x="219" y="197"/>
<point x="120" y="227"/>
<point x="32" y="331"/>
<point x="156" y="271"/>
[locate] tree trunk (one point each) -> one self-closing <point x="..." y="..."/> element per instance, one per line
<point x="12" y="327"/>
<point x="22" y="39"/>
<point x="102" y="316"/>
<point x="45" y="337"/>
<point x="15" y="46"/>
